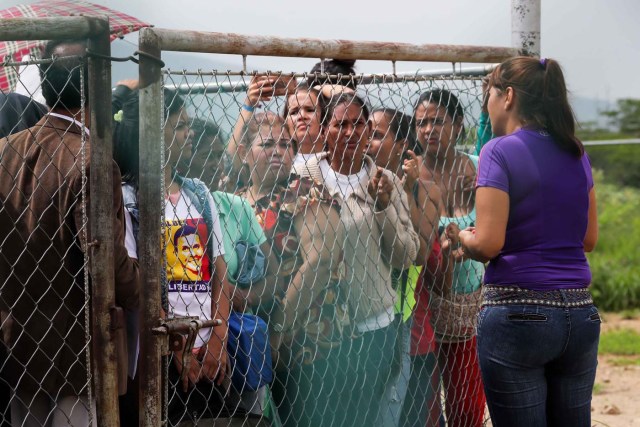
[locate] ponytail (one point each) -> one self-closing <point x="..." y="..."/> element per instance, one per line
<point x="559" y="117"/>
<point x="541" y="95"/>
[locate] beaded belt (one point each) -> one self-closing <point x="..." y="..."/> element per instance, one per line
<point x="500" y="295"/>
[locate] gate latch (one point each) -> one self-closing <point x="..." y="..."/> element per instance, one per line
<point x="177" y="327"/>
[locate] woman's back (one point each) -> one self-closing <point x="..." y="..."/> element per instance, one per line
<point x="549" y="199"/>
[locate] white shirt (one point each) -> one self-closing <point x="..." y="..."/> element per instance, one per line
<point x="188" y="265"/>
<point x="72" y="120"/>
<point x="345" y="184"/>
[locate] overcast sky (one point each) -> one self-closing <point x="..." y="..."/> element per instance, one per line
<point x="596" y="41"/>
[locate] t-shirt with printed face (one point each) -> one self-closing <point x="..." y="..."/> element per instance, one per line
<point x="188" y="265"/>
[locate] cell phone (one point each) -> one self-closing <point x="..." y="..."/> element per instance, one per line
<point x="284" y="85"/>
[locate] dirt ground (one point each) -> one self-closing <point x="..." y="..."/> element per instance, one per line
<point x="616" y="399"/>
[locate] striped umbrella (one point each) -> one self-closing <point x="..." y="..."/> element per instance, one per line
<point x="15" y="51"/>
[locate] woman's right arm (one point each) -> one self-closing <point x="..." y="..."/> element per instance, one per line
<point x="260" y="90"/>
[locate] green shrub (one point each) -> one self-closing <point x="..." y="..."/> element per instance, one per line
<point x="614" y="263"/>
<point x="620" y="163"/>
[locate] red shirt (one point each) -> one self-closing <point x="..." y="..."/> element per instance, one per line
<point x="422" y="337"/>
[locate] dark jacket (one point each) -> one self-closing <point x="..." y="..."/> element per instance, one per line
<point x="18" y="112"/>
<point x="42" y="286"/>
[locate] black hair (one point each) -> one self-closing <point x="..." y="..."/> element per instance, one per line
<point x="442" y="98"/>
<point x="185" y="230"/>
<point x="541" y="97"/>
<point x="62" y="78"/>
<point x="342" y="69"/>
<point x="343" y="98"/>
<point x="401" y="128"/>
<point x="126" y="130"/>
<point x="205" y="131"/>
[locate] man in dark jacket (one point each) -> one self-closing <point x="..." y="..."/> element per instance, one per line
<point x="44" y="198"/>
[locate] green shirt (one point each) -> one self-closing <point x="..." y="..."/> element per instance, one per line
<point x="238" y="223"/>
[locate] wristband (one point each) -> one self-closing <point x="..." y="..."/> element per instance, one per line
<point x="248" y="108"/>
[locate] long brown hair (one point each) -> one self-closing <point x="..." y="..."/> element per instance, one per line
<point x="541" y="95"/>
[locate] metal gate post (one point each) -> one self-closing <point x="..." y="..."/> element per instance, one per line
<point x="101" y="217"/>
<point x="150" y="202"/>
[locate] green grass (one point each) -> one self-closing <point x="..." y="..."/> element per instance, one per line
<point x="597" y="388"/>
<point x="621" y="342"/>
<point x="625" y="361"/>
<point x="630" y="314"/>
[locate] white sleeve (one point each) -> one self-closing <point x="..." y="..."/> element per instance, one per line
<point x="129" y="239"/>
<point x="216" y="233"/>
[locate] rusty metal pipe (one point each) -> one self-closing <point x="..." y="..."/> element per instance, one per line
<point x="238" y="44"/>
<point x="63" y="27"/>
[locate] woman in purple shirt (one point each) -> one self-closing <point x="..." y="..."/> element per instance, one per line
<point x="536" y="217"/>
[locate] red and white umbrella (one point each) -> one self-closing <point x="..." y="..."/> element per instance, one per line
<point x="14" y="51"/>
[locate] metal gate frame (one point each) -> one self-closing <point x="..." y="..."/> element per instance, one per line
<point x="101" y="214"/>
<point x="152" y="42"/>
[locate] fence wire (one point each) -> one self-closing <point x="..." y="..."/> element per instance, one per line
<point x="45" y="363"/>
<point x="370" y="303"/>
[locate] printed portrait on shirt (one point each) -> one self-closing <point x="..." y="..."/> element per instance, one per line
<point x="187" y="259"/>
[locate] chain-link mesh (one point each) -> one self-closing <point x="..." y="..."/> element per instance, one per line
<point x="370" y="302"/>
<point x="45" y="370"/>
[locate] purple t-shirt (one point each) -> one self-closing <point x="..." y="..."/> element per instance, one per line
<point x="548" y="211"/>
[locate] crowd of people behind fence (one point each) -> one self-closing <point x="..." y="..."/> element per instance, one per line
<point x="343" y="248"/>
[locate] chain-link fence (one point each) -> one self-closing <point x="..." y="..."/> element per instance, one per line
<point x="46" y="369"/>
<point x="334" y="199"/>
<point x="59" y="211"/>
<point x="430" y="294"/>
<point x="311" y="271"/>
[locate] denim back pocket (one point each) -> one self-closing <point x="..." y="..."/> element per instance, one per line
<point x="594" y="316"/>
<point x="527" y="317"/>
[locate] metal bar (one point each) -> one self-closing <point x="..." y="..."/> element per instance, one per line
<point x="101" y="220"/>
<point x="183" y="325"/>
<point x="406" y="76"/>
<point x="525" y="26"/>
<point x="149" y="246"/>
<point x="612" y="142"/>
<point x="63" y="27"/>
<point x="230" y="43"/>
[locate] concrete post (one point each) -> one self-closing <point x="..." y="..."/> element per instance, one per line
<point x="525" y="26"/>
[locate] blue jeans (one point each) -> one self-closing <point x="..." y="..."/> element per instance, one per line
<point x="538" y="363"/>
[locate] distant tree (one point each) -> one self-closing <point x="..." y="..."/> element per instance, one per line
<point x="626" y="117"/>
<point x="620" y="163"/>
